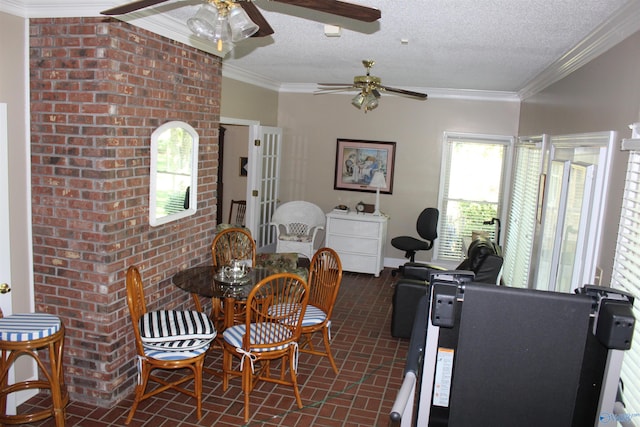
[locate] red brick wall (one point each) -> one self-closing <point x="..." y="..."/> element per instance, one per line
<point x="98" y="90"/>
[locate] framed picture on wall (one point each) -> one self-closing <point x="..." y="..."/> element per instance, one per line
<point x="244" y="162"/>
<point x="358" y="160"/>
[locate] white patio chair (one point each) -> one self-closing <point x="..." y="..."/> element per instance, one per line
<point x="297" y="225"/>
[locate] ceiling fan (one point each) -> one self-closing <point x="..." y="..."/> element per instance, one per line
<point x="369" y="87"/>
<point x="223" y="22"/>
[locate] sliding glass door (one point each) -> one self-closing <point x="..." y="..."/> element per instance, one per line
<point x="524" y="210"/>
<point x="572" y="211"/>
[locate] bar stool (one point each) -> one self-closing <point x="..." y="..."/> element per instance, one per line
<point x="24" y="334"/>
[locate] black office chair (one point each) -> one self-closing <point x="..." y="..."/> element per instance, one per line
<point x="427" y="227"/>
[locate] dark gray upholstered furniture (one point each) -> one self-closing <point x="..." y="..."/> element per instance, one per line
<point x="484" y="260"/>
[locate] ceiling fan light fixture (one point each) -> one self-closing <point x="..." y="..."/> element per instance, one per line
<point x="242" y="26"/>
<point x="222" y="35"/>
<point x="370" y="102"/>
<point x="203" y="22"/>
<point x="358" y="100"/>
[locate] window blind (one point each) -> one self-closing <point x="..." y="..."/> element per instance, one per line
<point x="521" y="223"/>
<point x="471" y="190"/>
<point x="626" y="275"/>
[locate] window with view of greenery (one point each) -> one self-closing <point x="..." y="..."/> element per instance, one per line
<point x="174" y="154"/>
<point x="471" y="190"/>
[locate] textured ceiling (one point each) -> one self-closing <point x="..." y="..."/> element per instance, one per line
<point x="475" y="45"/>
<point x="488" y="45"/>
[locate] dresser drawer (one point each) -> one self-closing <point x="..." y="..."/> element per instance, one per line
<point x="354" y="228"/>
<point x="350" y="244"/>
<point x="359" y="263"/>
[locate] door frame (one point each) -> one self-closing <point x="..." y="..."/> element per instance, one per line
<point x="6" y="300"/>
<point x="251" y="124"/>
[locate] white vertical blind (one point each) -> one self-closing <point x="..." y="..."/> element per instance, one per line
<point x="521" y="224"/>
<point x="626" y="274"/>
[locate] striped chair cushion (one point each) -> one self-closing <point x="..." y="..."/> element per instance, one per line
<point x="280" y="310"/>
<point x="177" y="345"/>
<point x="174" y="355"/>
<point x="313" y="316"/>
<point x="234" y="335"/>
<point x="175" y="325"/>
<point x="28" y="326"/>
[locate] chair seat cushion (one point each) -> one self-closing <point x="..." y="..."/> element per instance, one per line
<point x="28" y="326"/>
<point x="408" y="243"/>
<point x="313" y="316"/>
<point x="278" y="262"/>
<point x="275" y="333"/>
<point x="177" y="345"/>
<point x="174" y="355"/>
<point x="175" y="325"/>
<point x="295" y="237"/>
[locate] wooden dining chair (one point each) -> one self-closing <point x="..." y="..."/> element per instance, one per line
<point x="325" y="276"/>
<point x="237" y="211"/>
<point x="271" y="331"/>
<point x="230" y="243"/>
<point x="233" y="243"/>
<point x="166" y="339"/>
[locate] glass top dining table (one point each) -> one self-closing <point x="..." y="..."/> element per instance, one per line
<point x="204" y="281"/>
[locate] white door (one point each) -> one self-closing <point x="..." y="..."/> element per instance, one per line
<point x="263" y="178"/>
<point x="5" y="254"/>
<point x="5" y="250"/>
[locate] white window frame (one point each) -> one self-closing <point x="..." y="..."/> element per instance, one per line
<point x="448" y="138"/>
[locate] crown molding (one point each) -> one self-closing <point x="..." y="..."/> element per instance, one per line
<point x="618" y="27"/>
<point x="54" y="8"/>
<point x="240" y="74"/>
<point x="13" y="7"/>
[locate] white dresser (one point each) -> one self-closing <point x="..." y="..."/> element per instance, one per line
<point x="359" y="239"/>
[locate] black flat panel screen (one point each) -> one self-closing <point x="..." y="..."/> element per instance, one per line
<point x="518" y="358"/>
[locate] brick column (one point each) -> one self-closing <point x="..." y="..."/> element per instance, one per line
<point x="99" y="88"/>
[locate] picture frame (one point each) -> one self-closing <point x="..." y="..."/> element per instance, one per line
<point x="357" y="160"/>
<point x="244" y="163"/>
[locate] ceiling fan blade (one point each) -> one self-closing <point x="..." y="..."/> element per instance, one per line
<point x="336" y="7"/>
<point x="336" y="84"/>
<point x="256" y="16"/>
<point x="405" y="92"/>
<point x="131" y="7"/>
<point x="332" y="90"/>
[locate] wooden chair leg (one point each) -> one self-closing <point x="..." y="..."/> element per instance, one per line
<point x="197" y="371"/>
<point x="59" y="396"/>
<point x="294" y="378"/>
<point x="143" y="379"/>
<point x="327" y="349"/>
<point x="247" y="380"/>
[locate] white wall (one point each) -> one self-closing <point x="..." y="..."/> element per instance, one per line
<point x="235" y="146"/>
<point x="312" y="123"/>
